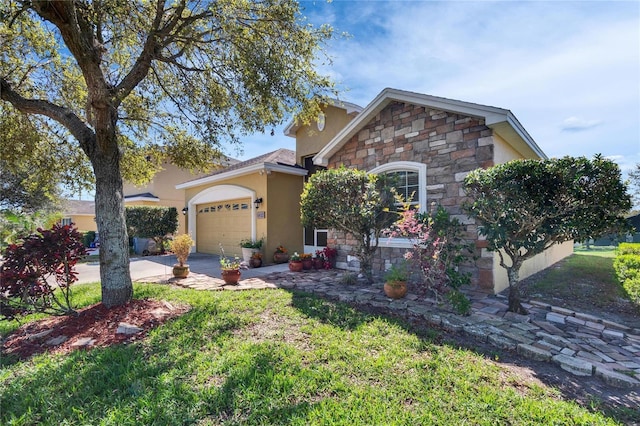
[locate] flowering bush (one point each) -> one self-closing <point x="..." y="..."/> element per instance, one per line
<point x="37" y="274"/>
<point x="281" y="249"/>
<point x="306" y="256"/>
<point x="437" y="250"/>
<point x="295" y="257"/>
<point x="327" y="255"/>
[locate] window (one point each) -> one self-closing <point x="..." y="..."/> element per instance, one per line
<point x="65" y="221"/>
<point x="411" y="179"/>
<point x="407" y="185"/>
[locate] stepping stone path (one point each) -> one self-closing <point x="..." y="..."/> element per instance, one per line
<point x="581" y="344"/>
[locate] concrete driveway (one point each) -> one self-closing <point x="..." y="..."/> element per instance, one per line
<point x="154" y="266"/>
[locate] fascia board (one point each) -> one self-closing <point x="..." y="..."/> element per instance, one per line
<point x="134" y="199"/>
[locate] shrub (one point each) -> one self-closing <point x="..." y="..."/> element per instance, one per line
<point x="88" y="238"/>
<point x="37" y="273"/>
<point x="181" y="247"/>
<point x="627" y="268"/>
<point x="438" y="248"/>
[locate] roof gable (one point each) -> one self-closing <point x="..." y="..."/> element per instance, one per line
<point x="281" y="160"/>
<point x="502" y="121"/>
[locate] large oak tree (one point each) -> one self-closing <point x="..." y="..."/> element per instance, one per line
<point x="123" y="79"/>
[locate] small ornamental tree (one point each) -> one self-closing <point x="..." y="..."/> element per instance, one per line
<point x="439" y="249"/>
<point x="152" y="222"/>
<point x="351" y="201"/>
<point x="526" y="206"/>
<point x="37" y="273"/>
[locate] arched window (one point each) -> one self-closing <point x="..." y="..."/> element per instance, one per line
<point x="411" y="181"/>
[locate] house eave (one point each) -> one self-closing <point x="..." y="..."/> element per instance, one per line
<point x="136" y="199"/>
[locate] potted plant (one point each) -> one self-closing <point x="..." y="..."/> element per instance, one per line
<point x="256" y="260"/>
<point x="396" y="277"/>
<point x="318" y="260"/>
<point x="181" y="247"/>
<point x="249" y="247"/>
<point x="295" y="264"/>
<point x="230" y="269"/>
<point x="281" y="255"/>
<point x="307" y="261"/>
<point x="329" y="255"/>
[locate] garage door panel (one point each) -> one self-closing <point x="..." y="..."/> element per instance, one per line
<point x="224" y="222"/>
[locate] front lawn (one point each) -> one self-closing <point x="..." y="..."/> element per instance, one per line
<point x="273" y="357"/>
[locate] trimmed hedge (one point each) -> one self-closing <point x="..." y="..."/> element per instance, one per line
<point x="627" y="268"/>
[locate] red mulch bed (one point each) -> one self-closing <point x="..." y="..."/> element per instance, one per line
<point x="95" y="322"/>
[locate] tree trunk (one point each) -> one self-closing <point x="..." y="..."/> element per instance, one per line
<point x="514" y="290"/>
<point x="115" y="276"/>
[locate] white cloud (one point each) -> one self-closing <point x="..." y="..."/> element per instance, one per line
<point x="575" y="124"/>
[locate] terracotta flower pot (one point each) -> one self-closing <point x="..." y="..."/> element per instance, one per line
<point x="295" y="266"/>
<point x="395" y="289"/>
<point x="307" y="264"/>
<point x="255" y="263"/>
<point x="180" y="271"/>
<point x="318" y="263"/>
<point x="231" y="277"/>
<point x="280" y="257"/>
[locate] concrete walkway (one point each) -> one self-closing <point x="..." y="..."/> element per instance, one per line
<point x="581" y="344"/>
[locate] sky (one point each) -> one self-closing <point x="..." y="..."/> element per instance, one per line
<point x="569" y="71"/>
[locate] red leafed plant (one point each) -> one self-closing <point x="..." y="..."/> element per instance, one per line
<point x="37" y="273"/>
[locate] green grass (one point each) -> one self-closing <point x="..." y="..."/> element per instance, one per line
<point x="273" y="357"/>
<point x="600" y="251"/>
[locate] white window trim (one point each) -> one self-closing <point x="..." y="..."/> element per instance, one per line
<point x="398" y="166"/>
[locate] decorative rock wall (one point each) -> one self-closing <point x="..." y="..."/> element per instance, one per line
<point x="451" y="145"/>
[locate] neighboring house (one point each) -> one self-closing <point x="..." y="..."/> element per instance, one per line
<point x="80" y="212"/>
<point x="162" y="192"/>
<point x="431" y="143"/>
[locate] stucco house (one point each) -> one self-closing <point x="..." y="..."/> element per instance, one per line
<point x="162" y="192"/>
<point x="80" y="212"/>
<point x="430" y="142"/>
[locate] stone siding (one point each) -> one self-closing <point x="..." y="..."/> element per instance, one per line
<point x="450" y="145"/>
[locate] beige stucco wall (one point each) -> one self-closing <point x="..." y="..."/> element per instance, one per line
<point x="283" y="213"/>
<point x="531" y="266"/>
<point x="503" y="152"/>
<point x="309" y="140"/>
<point x="84" y="222"/>
<point x="281" y="206"/>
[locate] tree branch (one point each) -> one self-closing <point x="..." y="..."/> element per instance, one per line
<point x="64" y="116"/>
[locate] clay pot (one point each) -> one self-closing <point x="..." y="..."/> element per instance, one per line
<point x="180" y="271"/>
<point x="318" y="263"/>
<point x="255" y="263"/>
<point x="231" y="277"/>
<point x="280" y="257"/>
<point x="395" y="289"/>
<point x="307" y="264"/>
<point x="295" y="266"/>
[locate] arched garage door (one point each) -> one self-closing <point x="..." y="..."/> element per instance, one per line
<point x="223" y="222"/>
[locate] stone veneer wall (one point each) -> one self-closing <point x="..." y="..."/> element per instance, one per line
<point x="450" y="145"/>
